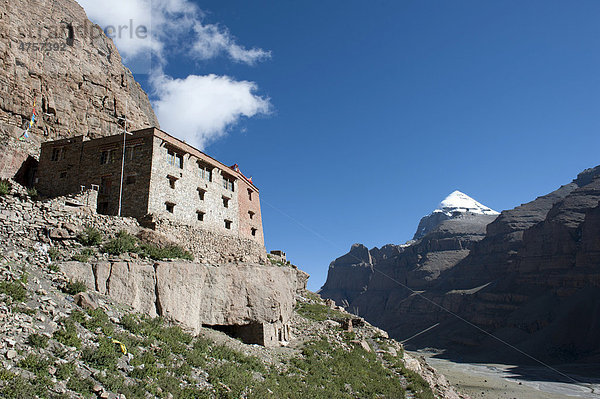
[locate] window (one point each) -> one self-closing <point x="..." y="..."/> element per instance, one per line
<point x="201" y="193"/>
<point x="63" y="175"/>
<point x="132" y="152"/>
<point x="200" y="216"/>
<point x="253" y="231"/>
<point x="130" y="179"/>
<point x="58" y="153"/>
<point x="204" y="171"/>
<point x="228" y="183"/>
<point x="105" y="184"/>
<point x="175" y="159"/>
<point x="170" y="207"/>
<point x="226" y="202"/>
<point x="228" y="224"/>
<point x="108" y="156"/>
<point x="251" y="214"/>
<point x="250" y="194"/>
<point x="172" y="181"/>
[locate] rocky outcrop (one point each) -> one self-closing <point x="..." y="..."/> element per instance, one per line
<point x="348" y="275"/>
<point x="531" y="280"/>
<point x="252" y="300"/>
<point x="77" y="83"/>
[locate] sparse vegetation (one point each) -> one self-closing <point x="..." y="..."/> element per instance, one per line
<point x="38" y="341"/>
<point x="32" y="193"/>
<point x="104" y="357"/>
<point x="122" y="243"/>
<point x="5" y="187"/>
<point x="75" y="287"/>
<point x="319" y="312"/>
<point x="34" y="363"/>
<point x="67" y="334"/>
<point x="53" y="267"/>
<point x="15" y="289"/>
<point x="54" y="254"/>
<point x="168" y="252"/>
<point x="84" y="255"/>
<point x="90" y="236"/>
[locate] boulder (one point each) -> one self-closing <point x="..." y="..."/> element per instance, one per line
<point x="85" y="301"/>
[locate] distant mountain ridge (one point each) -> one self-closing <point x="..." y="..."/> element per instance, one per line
<point x="530" y="275"/>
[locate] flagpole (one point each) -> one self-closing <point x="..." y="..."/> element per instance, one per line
<point x="123" y="160"/>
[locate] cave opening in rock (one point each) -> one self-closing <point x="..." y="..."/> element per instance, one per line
<point x="252" y="333"/>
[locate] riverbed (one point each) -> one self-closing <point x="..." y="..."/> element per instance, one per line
<point x="501" y="381"/>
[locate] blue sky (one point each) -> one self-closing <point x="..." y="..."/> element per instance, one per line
<point x="356" y="118"/>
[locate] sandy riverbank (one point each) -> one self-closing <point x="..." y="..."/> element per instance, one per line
<point x="497" y="381"/>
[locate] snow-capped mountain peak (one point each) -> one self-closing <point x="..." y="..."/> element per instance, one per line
<point x="456" y="205"/>
<point x="461" y="202"/>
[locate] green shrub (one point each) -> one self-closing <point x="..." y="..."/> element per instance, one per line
<point x="54" y="254"/>
<point x="17" y="387"/>
<point x="81" y="385"/>
<point x="90" y="236"/>
<point x="84" y="255"/>
<point x="38" y="340"/>
<point x="75" y="287"/>
<point x="67" y="334"/>
<point x="14" y="289"/>
<point x="103" y="357"/>
<point x="64" y="371"/>
<point x="5" y="186"/>
<point x="34" y="363"/>
<point x="169" y="252"/>
<point x="53" y="267"/>
<point x="122" y="243"/>
<point x="149" y="369"/>
<point x="417" y="385"/>
<point x="318" y="312"/>
<point x="98" y="319"/>
<point x="32" y="193"/>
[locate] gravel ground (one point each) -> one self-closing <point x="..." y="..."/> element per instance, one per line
<point x="496" y="381"/>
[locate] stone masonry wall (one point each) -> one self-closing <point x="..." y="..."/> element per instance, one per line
<point x="79" y="164"/>
<point x="163" y="178"/>
<point x="201" y="243"/>
<point x="56" y="223"/>
<point x="186" y="197"/>
<point x="249" y="208"/>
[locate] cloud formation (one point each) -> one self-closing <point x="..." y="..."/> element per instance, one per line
<point x="201" y="108"/>
<point x="176" y="22"/>
<point x="198" y="109"/>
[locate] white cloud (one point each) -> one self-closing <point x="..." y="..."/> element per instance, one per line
<point x="212" y="40"/>
<point x="200" y="109"/>
<point x="172" y="26"/>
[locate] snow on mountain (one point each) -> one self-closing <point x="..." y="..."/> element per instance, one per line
<point x="461" y="202"/>
<point x="454" y="205"/>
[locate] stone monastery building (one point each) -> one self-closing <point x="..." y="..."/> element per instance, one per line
<point x="164" y="178"/>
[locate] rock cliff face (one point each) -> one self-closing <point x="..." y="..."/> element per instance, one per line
<point x="532" y="280"/>
<point x="248" y="300"/>
<point x="254" y="302"/>
<point x="364" y="280"/>
<point x="77" y="83"/>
